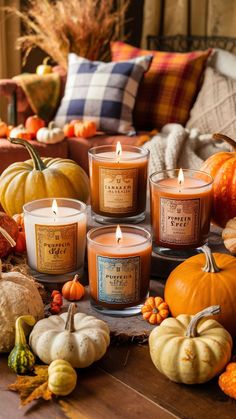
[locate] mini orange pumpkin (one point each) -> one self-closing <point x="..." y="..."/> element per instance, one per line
<point x="33" y="124"/>
<point x="3" y="129"/>
<point x="73" y="290"/>
<point x="227" y="380"/>
<point x="85" y="129"/>
<point x="155" y="310"/>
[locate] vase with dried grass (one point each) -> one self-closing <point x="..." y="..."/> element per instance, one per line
<point x="58" y="27"/>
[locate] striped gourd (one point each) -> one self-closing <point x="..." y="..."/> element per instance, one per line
<point x="21" y="360"/>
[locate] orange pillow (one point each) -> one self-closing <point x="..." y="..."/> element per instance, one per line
<point x="169" y="87"/>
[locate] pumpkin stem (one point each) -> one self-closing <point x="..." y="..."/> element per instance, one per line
<point x="222" y="137"/>
<point x="76" y="278"/>
<point x="210" y="265"/>
<point x="192" y="327"/>
<point x="20" y="334"/>
<point x="7" y="236"/>
<point x="70" y="326"/>
<point x="38" y="162"/>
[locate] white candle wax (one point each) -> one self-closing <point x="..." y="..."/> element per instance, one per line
<point x="55" y="242"/>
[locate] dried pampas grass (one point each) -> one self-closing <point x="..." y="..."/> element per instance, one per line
<point x="58" y="27"/>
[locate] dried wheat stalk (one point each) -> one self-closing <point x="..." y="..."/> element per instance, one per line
<point x="58" y="27"/>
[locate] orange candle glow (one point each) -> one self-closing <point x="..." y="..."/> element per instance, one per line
<point x="180" y="208"/>
<point x="119" y="266"/>
<point x="118" y="180"/>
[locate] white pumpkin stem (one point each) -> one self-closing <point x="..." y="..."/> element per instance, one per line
<point x="20" y="334"/>
<point x="192" y="327"/>
<point x="70" y="326"/>
<point x="7" y="236"/>
<point x="211" y="265"/>
<point x="51" y="125"/>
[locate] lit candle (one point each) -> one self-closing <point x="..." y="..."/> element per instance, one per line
<point x="118" y="182"/>
<point x="55" y="235"/>
<point x="180" y="208"/>
<point x="119" y="268"/>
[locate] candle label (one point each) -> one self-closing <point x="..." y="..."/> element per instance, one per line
<point x="118" y="279"/>
<point x="118" y="190"/>
<point x="179" y="223"/>
<point x="56" y="248"/>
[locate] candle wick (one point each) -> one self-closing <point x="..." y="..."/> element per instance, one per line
<point x="118" y="240"/>
<point x="54" y="212"/>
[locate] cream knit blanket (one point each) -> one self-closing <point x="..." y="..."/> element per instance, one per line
<point x="176" y="146"/>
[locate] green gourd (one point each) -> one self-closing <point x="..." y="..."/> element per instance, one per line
<point x="21" y="360"/>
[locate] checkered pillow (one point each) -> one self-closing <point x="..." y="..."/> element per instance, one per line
<point x="103" y="92"/>
<point x="169" y="87"/>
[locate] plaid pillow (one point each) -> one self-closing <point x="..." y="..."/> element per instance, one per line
<point x="169" y="87"/>
<point x="103" y="92"/>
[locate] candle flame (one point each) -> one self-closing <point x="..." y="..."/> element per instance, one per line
<point x="118" y="234"/>
<point x="181" y="177"/>
<point x="54" y="207"/>
<point x="118" y="149"/>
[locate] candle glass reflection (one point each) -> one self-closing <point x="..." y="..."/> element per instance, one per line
<point x="181" y="203"/>
<point x="55" y="237"/>
<point x="119" y="268"/>
<point x="118" y="183"/>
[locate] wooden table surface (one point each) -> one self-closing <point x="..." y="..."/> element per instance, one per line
<point x="125" y="385"/>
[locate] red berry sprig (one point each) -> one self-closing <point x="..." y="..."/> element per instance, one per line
<point x="57" y="302"/>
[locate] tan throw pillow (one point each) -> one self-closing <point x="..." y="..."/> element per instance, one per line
<point x="215" y="107"/>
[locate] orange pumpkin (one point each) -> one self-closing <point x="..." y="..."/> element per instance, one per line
<point x="227" y="380"/>
<point x="33" y="124"/>
<point x="85" y="129"/>
<point x="3" y="129"/>
<point x="155" y="310"/>
<point x="20" y="246"/>
<point x="222" y="167"/>
<point x="69" y="130"/>
<point x="73" y="290"/>
<point x="202" y="281"/>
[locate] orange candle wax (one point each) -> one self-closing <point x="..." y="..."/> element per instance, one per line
<point x="118" y="182"/>
<point x="180" y="209"/>
<point x="119" y="269"/>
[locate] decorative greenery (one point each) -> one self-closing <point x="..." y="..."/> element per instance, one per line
<point x="58" y="27"/>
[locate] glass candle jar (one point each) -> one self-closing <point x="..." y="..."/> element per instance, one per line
<point x="118" y="183"/>
<point x="181" y="203"/>
<point x="55" y="236"/>
<point x="119" y="268"/>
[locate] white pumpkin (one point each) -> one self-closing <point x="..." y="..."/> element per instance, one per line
<point x="77" y="338"/>
<point x="50" y="135"/>
<point x="190" y="349"/>
<point x="17" y="130"/>
<point x="19" y="296"/>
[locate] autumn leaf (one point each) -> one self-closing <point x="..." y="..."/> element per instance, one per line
<point x="32" y="387"/>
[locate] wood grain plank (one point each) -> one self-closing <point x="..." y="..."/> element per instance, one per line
<point x="134" y="367"/>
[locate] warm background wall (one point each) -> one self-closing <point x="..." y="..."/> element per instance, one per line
<point x="144" y="17"/>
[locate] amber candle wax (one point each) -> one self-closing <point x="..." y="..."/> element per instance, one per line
<point x="118" y="182"/>
<point x="181" y="204"/>
<point x="119" y="266"/>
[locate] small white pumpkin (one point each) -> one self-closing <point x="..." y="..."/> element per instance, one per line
<point x="229" y="235"/>
<point x="50" y="135"/>
<point x="20" y="129"/>
<point x="77" y="338"/>
<point x="19" y="296"/>
<point x="190" y="349"/>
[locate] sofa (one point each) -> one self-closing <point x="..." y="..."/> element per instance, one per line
<point x="164" y="95"/>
